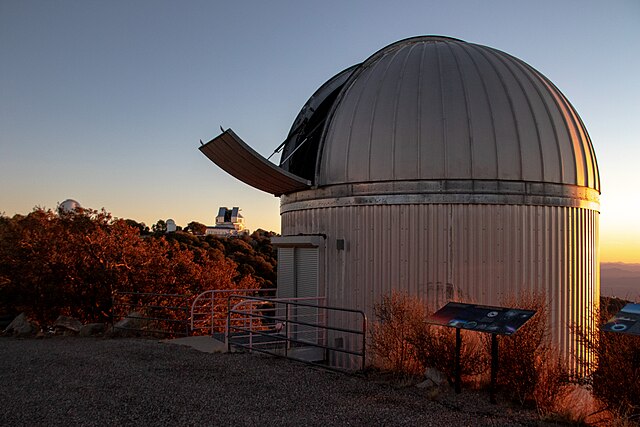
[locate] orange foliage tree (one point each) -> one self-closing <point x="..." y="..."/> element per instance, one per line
<point x="72" y="263"/>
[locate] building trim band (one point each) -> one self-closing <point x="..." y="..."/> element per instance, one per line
<point x="443" y="192"/>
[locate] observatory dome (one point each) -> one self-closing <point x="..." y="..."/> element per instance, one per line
<point x="447" y="170"/>
<point x="438" y="108"/>
<point x="68" y="205"/>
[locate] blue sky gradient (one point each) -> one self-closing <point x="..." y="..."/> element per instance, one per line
<point x="105" y="102"/>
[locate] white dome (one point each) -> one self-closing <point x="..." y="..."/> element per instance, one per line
<point x="437" y="108"/>
<point x="69" y="205"/>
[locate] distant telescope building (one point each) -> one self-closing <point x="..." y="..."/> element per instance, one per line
<point x="446" y="169"/>
<point x="229" y="222"/>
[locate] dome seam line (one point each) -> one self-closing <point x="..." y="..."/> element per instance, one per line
<point x="526" y="97"/>
<point x="395" y="111"/>
<point x="552" y="122"/>
<point x="509" y="96"/>
<point x="353" y="115"/>
<point x="419" y="108"/>
<point x="443" y="120"/>
<point x="571" y="128"/>
<point x="489" y="107"/>
<point x="375" y="109"/>
<point x="469" y="120"/>
<point x="528" y="75"/>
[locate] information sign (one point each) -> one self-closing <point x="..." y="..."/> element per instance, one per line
<point x="626" y="321"/>
<point x="482" y="318"/>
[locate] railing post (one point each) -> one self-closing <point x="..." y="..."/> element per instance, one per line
<point x="494" y="368"/>
<point x="457" y="361"/>
<point x="186" y="316"/>
<point x="251" y="327"/>
<point x="113" y="308"/>
<point x="228" y="325"/>
<point x="286" y="329"/>
<point x="212" y="319"/>
<point x="364" y="340"/>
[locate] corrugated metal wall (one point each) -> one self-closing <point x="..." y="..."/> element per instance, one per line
<point x="473" y="253"/>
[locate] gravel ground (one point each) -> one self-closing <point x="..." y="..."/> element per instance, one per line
<point x="86" y="381"/>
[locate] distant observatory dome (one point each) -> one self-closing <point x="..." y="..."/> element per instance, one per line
<point x="69" y="205"/>
<point x="171" y="226"/>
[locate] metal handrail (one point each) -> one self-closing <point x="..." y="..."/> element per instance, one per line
<point x="215" y="300"/>
<point x="246" y="308"/>
<point x="148" y="302"/>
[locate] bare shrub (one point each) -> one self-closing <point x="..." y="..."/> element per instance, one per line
<point x="398" y="316"/>
<point x="404" y="343"/>
<point x="576" y="405"/>
<point x="435" y="347"/>
<point x="552" y="389"/>
<point x="530" y="369"/>
<point x="616" y="378"/>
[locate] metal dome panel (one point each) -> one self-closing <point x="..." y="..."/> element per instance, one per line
<point x="232" y="154"/>
<point x="438" y="108"/>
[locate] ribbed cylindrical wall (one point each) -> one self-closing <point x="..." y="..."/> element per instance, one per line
<point x="474" y="253"/>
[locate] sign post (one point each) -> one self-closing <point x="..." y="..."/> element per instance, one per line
<point x="494" y="368"/>
<point x="457" y="360"/>
<point x="481" y="318"/>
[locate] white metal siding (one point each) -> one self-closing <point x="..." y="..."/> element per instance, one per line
<point x="475" y="253"/>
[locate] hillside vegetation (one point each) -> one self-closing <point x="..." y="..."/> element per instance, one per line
<point x="57" y="263"/>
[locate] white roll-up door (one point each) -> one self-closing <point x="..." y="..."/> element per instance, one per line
<point x="306" y="261"/>
<point x="286" y="273"/>
<point x="298" y="279"/>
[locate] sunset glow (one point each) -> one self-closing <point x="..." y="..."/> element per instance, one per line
<point x="113" y="118"/>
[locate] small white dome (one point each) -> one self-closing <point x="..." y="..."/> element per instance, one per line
<point x="68" y="205"/>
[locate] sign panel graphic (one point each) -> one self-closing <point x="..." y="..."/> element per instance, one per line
<point x="482" y="318"/>
<point x="626" y="321"/>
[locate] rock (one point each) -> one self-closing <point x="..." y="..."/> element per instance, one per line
<point x="132" y="320"/>
<point x="68" y="323"/>
<point x="129" y="325"/>
<point x="433" y="378"/>
<point x="92" y="329"/>
<point x="20" y="326"/>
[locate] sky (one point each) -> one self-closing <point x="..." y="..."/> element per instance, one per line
<point x="105" y="102"/>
